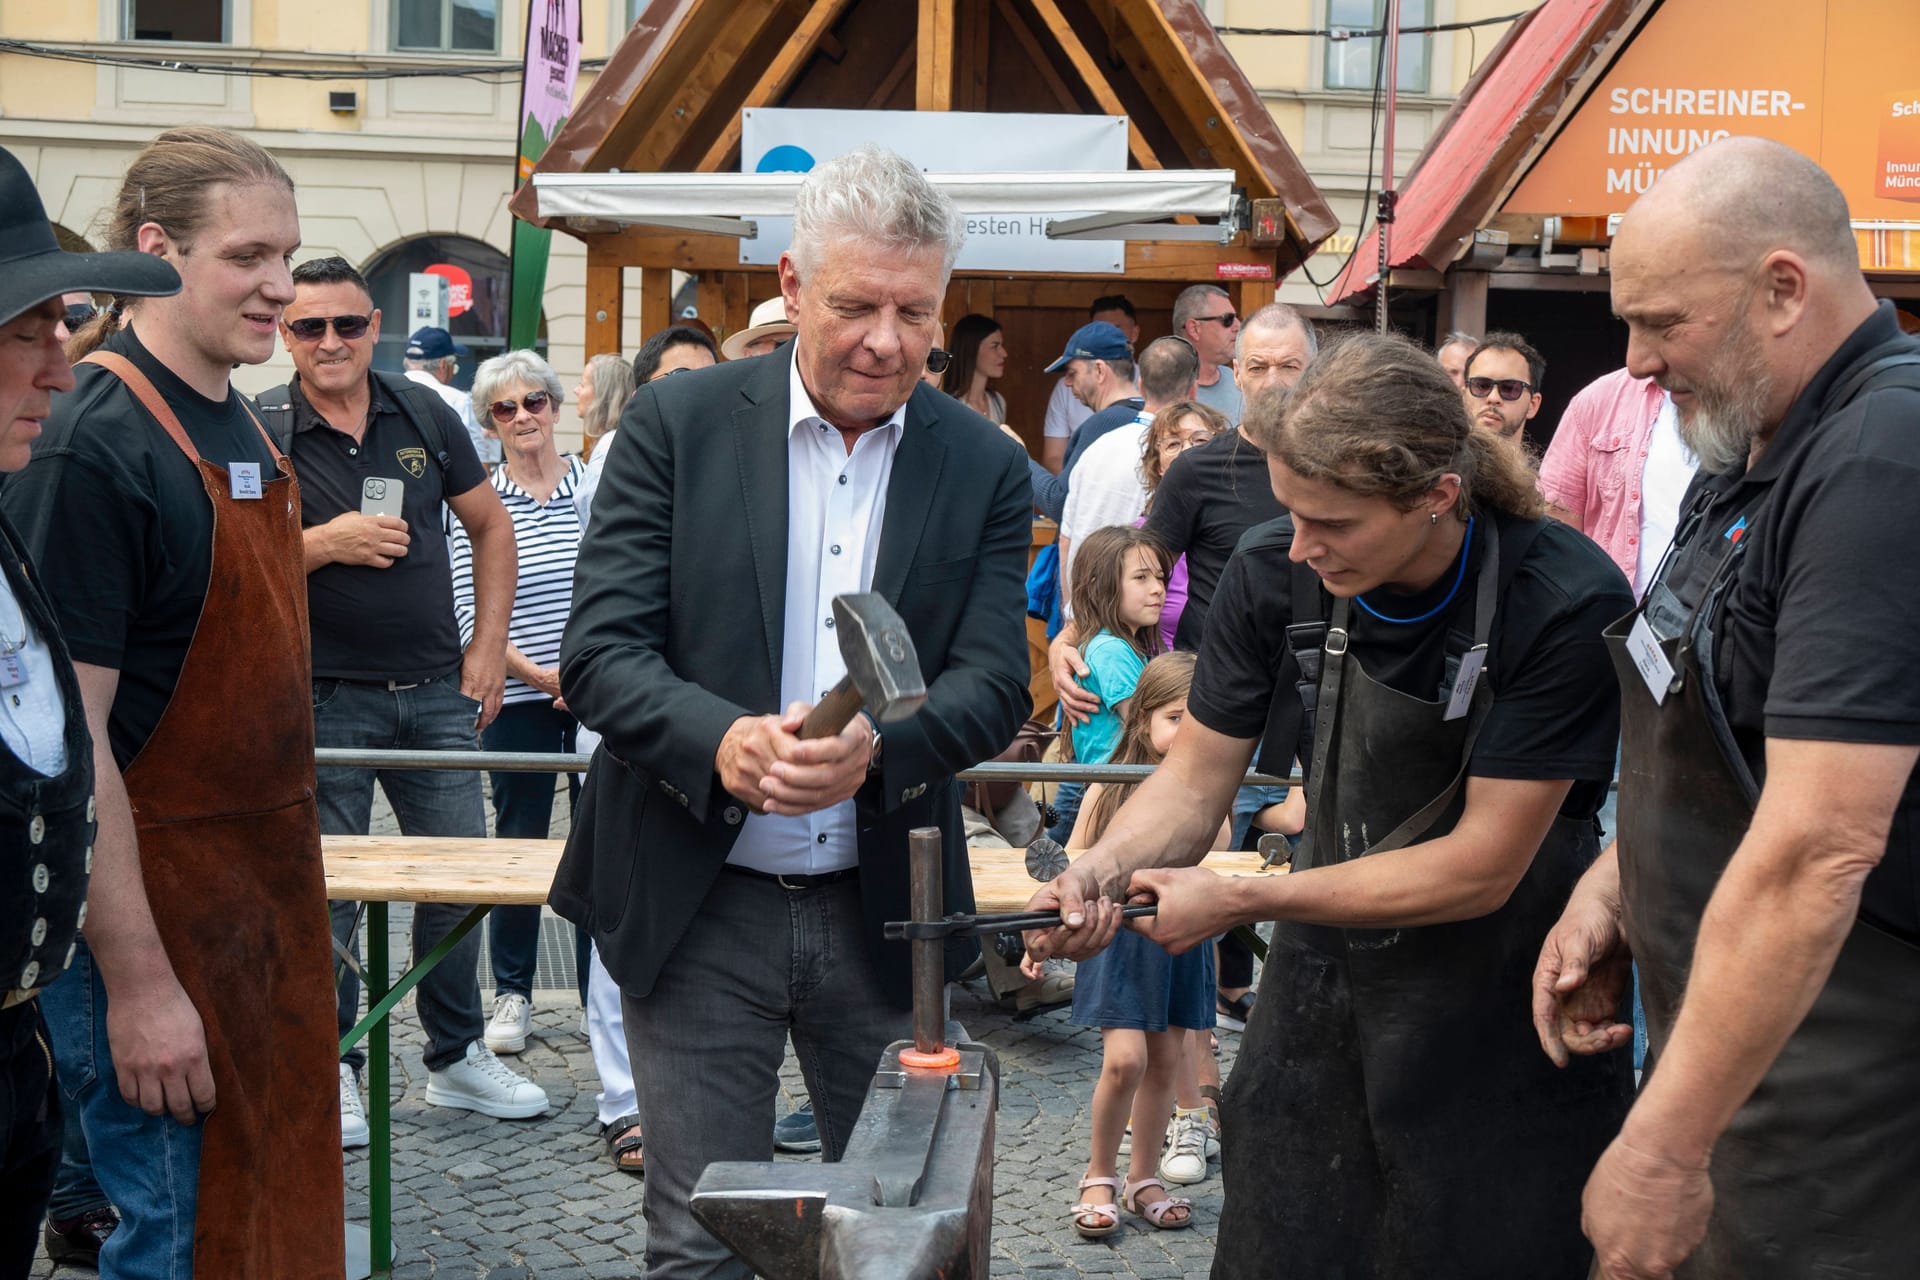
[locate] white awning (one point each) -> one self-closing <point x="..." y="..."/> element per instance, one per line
<point x="1104" y="206"/>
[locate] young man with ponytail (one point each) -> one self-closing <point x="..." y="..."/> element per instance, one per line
<point x="196" y="1031"/>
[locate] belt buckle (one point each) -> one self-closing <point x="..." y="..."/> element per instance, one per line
<point x="781" y="880"/>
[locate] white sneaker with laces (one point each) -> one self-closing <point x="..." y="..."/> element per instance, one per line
<point x="1186" y="1159"/>
<point x="353" y="1117"/>
<point x="485" y="1084"/>
<point x="512" y="1020"/>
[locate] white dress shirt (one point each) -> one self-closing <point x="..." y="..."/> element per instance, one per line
<point x="836" y="505"/>
<point x="33" y="716"/>
<point x="1108" y="487"/>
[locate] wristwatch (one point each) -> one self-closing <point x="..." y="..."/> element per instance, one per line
<point x="873" y="750"/>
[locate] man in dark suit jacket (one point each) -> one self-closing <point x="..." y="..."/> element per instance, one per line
<point x="737" y="502"/>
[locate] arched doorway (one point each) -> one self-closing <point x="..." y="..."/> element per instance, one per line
<point x="478" y="319"/>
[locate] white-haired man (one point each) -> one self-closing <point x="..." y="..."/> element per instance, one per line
<point x="735" y="877"/>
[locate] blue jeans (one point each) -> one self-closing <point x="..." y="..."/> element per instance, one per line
<point x="75" y="1189"/>
<point x="154" y="1175"/>
<point x="434" y="716"/>
<point x="523" y="809"/>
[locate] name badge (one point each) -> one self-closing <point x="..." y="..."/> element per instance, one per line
<point x="13" y="669"/>
<point x="1465" y="682"/>
<point x="1649" y="660"/>
<point x="244" y="479"/>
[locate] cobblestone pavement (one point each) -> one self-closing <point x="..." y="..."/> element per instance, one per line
<point x="484" y="1199"/>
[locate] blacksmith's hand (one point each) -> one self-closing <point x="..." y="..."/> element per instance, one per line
<point x="807" y="775"/>
<point x="1643" y="1210"/>
<point x="1196" y="906"/>
<point x="1068" y="667"/>
<point x="1582" y="982"/>
<point x="159" y="1049"/>
<point x="1089" y="916"/>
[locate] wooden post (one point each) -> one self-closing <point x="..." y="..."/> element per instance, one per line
<point x="1251" y="295"/>
<point x="933" y="57"/>
<point x="710" y="298"/>
<point x="656" y="300"/>
<point x="1463" y="304"/>
<point x="605" y="278"/>
<point x="737" y="306"/>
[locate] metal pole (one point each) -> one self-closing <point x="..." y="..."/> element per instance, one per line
<point x="1383" y="219"/>
<point x="929" y="966"/>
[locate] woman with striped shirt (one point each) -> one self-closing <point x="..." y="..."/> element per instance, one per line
<point x="520" y="394"/>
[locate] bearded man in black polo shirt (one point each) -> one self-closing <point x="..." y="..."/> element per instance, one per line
<point x="388" y="670"/>
<point x="1769" y="812"/>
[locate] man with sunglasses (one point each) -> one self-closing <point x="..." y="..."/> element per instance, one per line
<point x="1203" y="314"/>
<point x="1502" y="385"/>
<point x="388" y="668"/>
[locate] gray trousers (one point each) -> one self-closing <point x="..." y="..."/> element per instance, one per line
<point x="758" y="964"/>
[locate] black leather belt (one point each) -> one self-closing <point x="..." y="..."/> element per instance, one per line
<point x="794" y="881"/>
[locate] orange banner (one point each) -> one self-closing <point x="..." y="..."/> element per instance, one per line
<point x="1836" y="80"/>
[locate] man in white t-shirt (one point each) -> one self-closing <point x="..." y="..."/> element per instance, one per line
<point x="1065" y="412"/>
<point x="1108" y="487"/>
<point x="432" y="360"/>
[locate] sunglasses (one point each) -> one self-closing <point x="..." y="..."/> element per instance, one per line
<point x="938" y="360"/>
<point x="1225" y="321"/>
<point x="1510" y="388"/>
<point x="505" y="411"/>
<point x="314" y="328"/>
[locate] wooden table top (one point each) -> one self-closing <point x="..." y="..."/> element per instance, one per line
<point x="428" y="869"/>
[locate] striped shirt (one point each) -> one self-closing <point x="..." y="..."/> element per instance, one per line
<point x="547" y="536"/>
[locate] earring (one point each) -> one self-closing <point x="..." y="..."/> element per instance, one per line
<point x="1433" y="517"/>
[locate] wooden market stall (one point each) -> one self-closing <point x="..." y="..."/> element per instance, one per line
<point x="672" y="95"/>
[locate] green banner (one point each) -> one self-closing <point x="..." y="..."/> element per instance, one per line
<point x="546" y="97"/>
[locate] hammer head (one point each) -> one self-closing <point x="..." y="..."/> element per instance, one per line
<point x="879" y="654"/>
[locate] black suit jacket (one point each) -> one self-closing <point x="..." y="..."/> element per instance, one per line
<point x="679" y="603"/>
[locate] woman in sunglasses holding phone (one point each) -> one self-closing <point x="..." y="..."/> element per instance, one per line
<point x="519" y="395"/>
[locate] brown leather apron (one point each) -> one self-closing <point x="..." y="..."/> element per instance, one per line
<point x="223" y="805"/>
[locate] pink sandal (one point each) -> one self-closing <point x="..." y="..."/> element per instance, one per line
<point x="1156" y="1213"/>
<point x="1108" y="1214"/>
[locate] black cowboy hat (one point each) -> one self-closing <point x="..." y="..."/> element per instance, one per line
<point x="33" y="266"/>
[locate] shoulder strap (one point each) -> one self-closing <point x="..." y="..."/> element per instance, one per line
<point x="276" y="409"/>
<point x="419" y="416"/>
<point x="150" y="398"/>
<point x="1858" y="383"/>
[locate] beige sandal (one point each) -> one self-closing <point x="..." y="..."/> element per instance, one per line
<point x="1156" y="1213"/>
<point x="1106" y="1216"/>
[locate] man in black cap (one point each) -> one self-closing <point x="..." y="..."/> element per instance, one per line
<point x="46" y="760"/>
<point x="432" y="360"/>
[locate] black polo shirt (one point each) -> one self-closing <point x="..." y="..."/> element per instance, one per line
<point x="1820" y="635"/>
<point x="1556" y="707"/>
<point x="119" y="523"/>
<point x="395" y="623"/>
<point x="1208" y="498"/>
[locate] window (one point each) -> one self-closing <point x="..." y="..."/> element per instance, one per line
<point x="1350" y="63"/>
<point x="455" y="26"/>
<point x="477" y="315"/>
<point x="193" y="21"/>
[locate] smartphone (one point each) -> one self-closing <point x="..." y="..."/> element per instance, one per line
<point x="381" y="497"/>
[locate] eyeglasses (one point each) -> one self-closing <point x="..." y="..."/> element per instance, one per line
<point x="938" y="360"/>
<point x="314" y="328"/>
<point x="1510" y="388"/>
<point x="505" y="411"/>
<point x="1225" y="321"/>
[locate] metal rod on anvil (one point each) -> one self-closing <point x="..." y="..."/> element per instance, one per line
<point x="929" y="960"/>
<point x="966" y="926"/>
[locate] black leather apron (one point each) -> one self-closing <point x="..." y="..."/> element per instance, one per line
<point x="1819" y="1173"/>
<point x="1391" y="1113"/>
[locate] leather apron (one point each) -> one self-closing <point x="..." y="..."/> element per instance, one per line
<point x="1391" y="1113"/>
<point x="1819" y="1173"/>
<point x="229" y="835"/>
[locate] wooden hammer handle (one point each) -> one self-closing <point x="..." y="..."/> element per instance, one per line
<point x="834" y="712"/>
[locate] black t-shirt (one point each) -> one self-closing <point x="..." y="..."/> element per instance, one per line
<point x="1556" y="707"/>
<point x="1820" y="635"/>
<point x="1209" y="497"/>
<point x="119" y="522"/>
<point x="395" y="623"/>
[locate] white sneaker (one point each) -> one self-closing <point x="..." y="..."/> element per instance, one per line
<point x="512" y="1020"/>
<point x="353" y="1117"/>
<point x="485" y="1084"/>
<point x="1186" y="1159"/>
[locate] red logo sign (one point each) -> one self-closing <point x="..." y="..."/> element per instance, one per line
<point x="459" y="287"/>
<point x="1229" y="270"/>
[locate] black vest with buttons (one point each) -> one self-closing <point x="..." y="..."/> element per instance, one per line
<point x="46" y="824"/>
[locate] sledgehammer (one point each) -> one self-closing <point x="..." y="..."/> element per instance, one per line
<point x="883" y="671"/>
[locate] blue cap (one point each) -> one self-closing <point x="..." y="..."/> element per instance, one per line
<point x="432" y="343"/>
<point x="1095" y="341"/>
